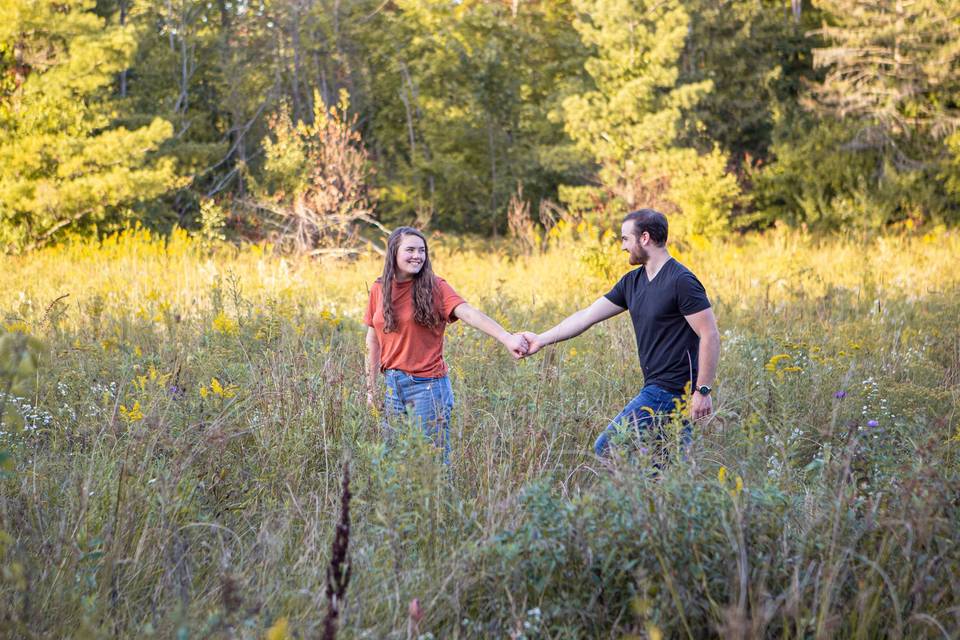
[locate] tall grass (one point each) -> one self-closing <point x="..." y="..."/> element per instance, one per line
<point x="176" y="453"/>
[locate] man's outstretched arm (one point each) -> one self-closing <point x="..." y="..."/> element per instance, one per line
<point x="573" y="325"/>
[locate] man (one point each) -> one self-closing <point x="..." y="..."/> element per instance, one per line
<point x="677" y="337"/>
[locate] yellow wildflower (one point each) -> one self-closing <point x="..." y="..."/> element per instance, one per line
<point x="225" y="325"/>
<point x="722" y="475"/>
<point x="133" y="414"/>
<point x="17" y="327"/>
<point x="279" y="630"/>
<point x="224" y="392"/>
<point x="774" y="361"/>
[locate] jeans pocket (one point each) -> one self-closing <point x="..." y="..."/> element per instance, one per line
<point x="665" y="396"/>
<point x="441" y="392"/>
<point x="422" y="379"/>
<point x="447" y="392"/>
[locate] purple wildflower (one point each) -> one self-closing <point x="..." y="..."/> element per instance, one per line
<point x="840" y="395"/>
<point x="873" y="423"/>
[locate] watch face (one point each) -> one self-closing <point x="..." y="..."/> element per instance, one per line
<point x="704" y="390"/>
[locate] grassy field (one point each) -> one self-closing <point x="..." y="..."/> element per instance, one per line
<point x="174" y="429"/>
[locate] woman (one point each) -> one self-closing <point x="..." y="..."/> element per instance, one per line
<point x="408" y="312"/>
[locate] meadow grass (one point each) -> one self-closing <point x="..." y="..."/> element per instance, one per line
<point x="174" y="429"/>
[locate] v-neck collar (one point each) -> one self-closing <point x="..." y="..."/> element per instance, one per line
<point x="659" y="271"/>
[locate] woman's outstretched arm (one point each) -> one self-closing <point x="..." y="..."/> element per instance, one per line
<point x="514" y="343"/>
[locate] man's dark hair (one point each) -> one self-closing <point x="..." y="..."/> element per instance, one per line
<point x="651" y="221"/>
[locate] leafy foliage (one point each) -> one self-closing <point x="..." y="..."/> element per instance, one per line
<point x="316" y="180"/>
<point x="726" y="114"/>
<point x="63" y="162"/>
<point x="631" y="123"/>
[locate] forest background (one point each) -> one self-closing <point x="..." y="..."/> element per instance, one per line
<point x="453" y="115"/>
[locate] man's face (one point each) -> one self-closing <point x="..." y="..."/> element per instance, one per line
<point x="633" y="245"/>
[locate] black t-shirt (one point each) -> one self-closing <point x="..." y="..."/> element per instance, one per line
<point x="668" y="347"/>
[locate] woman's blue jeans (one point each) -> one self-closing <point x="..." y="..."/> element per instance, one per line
<point x="644" y="414"/>
<point x="428" y="402"/>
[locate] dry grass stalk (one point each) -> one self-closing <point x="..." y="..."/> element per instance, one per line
<point x="338" y="571"/>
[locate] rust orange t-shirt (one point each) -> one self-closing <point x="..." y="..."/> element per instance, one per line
<point x="411" y="347"/>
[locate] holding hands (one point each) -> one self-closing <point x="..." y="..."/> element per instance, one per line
<point x="523" y="344"/>
<point x="517" y="345"/>
<point x="534" y="342"/>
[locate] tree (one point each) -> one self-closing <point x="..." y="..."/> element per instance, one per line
<point x="892" y="65"/>
<point x="316" y="180"/>
<point x="461" y="94"/>
<point x="631" y="121"/>
<point x="64" y="164"/>
<point x="757" y="55"/>
<point x="892" y="76"/>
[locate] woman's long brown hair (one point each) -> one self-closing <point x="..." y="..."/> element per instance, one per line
<point x="426" y="310"/>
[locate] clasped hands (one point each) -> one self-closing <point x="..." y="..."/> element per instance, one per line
<point x="523" y="344"/>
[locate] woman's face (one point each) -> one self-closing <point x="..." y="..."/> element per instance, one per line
<point x="411" y="254"/>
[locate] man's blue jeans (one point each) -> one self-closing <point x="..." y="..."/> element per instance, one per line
<point x="646" y="413"/>
<point x="428" y="400"/>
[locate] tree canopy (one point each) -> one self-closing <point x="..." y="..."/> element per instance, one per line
<point x="726" y="114"/>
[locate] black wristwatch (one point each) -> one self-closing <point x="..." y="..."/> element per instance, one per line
<point x="704" y="390"/>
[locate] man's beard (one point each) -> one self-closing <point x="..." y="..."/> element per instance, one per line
<point x="639" y="256"/>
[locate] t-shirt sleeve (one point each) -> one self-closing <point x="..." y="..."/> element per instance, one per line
<point x="449" y="300"/>
<point x="618" y="295"/>
<point x="372" y="304"/>
<point x="691" y="296"/>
